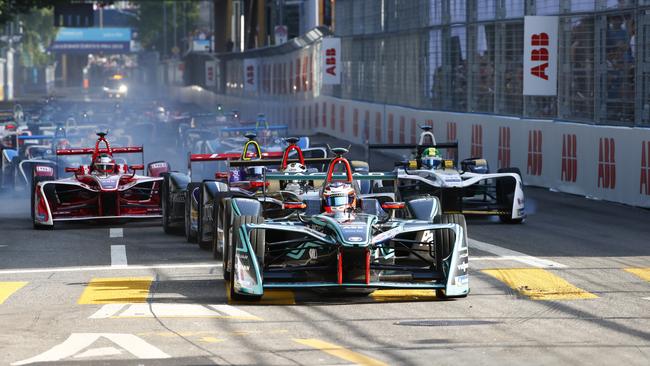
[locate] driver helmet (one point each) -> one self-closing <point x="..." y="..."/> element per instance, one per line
<point x="339" y="197"/>
<point x="431" y="158"/>
<point x="294" y="168"/>
<point x="254" y="173"/>
<point x="104" y="164"/>
<point x="63" y="144"/>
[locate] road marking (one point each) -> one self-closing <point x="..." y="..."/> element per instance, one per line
<point x="270" y="297"/>
<point x="643" y="273"/>
<point x="211" y="340"/>
<point x="109" y="268"/>
<point x="77" y="342"/>
<point x="116" y="290"/>
<point x="116" y="232"/>
<point x="8" y="288"/>
<point x="403" y="295"/>
<point x="171" y="310"/>
<point x="118" y="256"/>
<point x="514" y="255"/>
<point x="539" y="284"/>
<point x="99" y="352"/>
<point x="340" y="352"/>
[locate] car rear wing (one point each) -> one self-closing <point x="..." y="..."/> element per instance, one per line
<point x="90" y="151"/>
<point x="277" y="162"/>
<point x="337" y="176"/>
<point x="231" y="156"/>
<point x="419" y="149"/>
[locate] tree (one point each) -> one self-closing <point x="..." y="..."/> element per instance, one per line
<point x="9" y="9"/>
<point x="37" y="35"/>
<point x="151" y="28"/>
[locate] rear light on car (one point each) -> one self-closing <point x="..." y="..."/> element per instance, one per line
<point x="259" y="184"/>
<point x="294" y="205"/>
<point x="392" y="205"/>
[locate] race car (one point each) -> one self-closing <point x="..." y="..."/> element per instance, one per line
<point x="343" y="240"/>
<point x="102" y="190"/>
<point x="115" y="87"/>
<point x="470" y="190"/>
<point x="179" y="188"/>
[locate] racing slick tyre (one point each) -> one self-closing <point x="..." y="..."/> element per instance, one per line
<point x="227" y="239"/>
<point x="190" y="236"/>
<point x="444" y="245"/>
<point x="258" y="244"/>
<point x="165" y="196"/>
<point x="205" y="245"/>
<point x="506" y="195"/>
<point x="35" y="181"/>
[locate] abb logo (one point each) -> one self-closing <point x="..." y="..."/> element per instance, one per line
<point x="534" y="152"/>
<point x="355" y="122"/>
<point x="451" y="136"/>
<point x="333" y="117"/>
<point x="569" y="158"/>
<point x="402" y="127"/>
<point x="504" y="147"/>
<point x="606" y="163"/>
<point x="414" y="130"/>
<point x="324" y="114"/>
<point x="250" y="75"/>
<point x="378" y="127"/>
<point x="539" y="54"/>
<point x="342" y="118"/>
<point x="330" y="61"/>
<point x="477" y="141"/>
<point x="366" y="126"/>
<point x="390" y="128"/>
<point x="645" y="168"/>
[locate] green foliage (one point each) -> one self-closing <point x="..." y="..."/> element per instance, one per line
<point x="150" y="27"/>
<point x="38" y="34"/>
<point x="10" y="8"/>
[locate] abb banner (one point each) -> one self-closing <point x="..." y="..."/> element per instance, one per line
<point x="210" y="73"/>
<point x="331" y="61"/>
<point x="250" y="74"/>
<point x="540" y="55"/>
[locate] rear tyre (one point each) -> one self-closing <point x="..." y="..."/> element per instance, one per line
<point x="506" y="195"/>
<point x="205" y="245"/>
<point x="444" y="245"/>
<point x="190" y="236"/>
<point x="258" y="245"/>
<point x="227" y="239"/>
<point x="166" y="207"/>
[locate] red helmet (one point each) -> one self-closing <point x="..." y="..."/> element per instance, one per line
<point x="339" y="197"/>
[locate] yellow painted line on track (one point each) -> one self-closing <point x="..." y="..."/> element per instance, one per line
<point x="539" y="284"/>
<point x="270" y="297"/>
<point x="211" y="340"/>
<point x="643" y="273"/>
<point x="340" y="352"/>
<point x="8" y="288"/>
<point x="403" y="295"/>
<point x="116" y="290"/>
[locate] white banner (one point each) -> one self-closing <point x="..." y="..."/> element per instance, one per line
<point x="331" y="61"/>
<point x="540" y="55"/>
<point x="250" y="74"/>
<point x="210" y="73"/>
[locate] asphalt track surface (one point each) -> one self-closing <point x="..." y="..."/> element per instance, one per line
<point x="569" y="286"/>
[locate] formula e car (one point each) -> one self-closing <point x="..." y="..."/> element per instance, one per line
<point x="101" y="190"/>
<point x="179" y="189"/>
<point x="472" y="190"/>
<point x="343" y="240"/>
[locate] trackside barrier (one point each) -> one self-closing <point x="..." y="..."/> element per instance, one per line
<point x="602" y="162"/>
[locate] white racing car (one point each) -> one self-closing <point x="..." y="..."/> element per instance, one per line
<point x="470" y="190"/>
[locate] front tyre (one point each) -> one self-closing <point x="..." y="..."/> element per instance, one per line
<point x="257" y="240"/>
<point x="444" y="246"/>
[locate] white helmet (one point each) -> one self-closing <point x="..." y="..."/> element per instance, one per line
<point x="294" y="185"/>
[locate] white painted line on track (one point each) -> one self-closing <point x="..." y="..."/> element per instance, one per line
<point x="115" y="232"/>
<point x="107" y="311"/>
<point x="170" y="310"/>
<point x="118" y="256"/>
<point x="646" y="298"/>
<point x="99" y="352"/>
<point x="77" y="342"/>
<point x="514" y="255"/>
<point x="109" y="268"/>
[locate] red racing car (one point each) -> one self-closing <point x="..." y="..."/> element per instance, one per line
<point x="106" y="189"/>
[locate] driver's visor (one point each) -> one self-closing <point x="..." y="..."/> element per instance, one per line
<point x="336" y="201"/>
